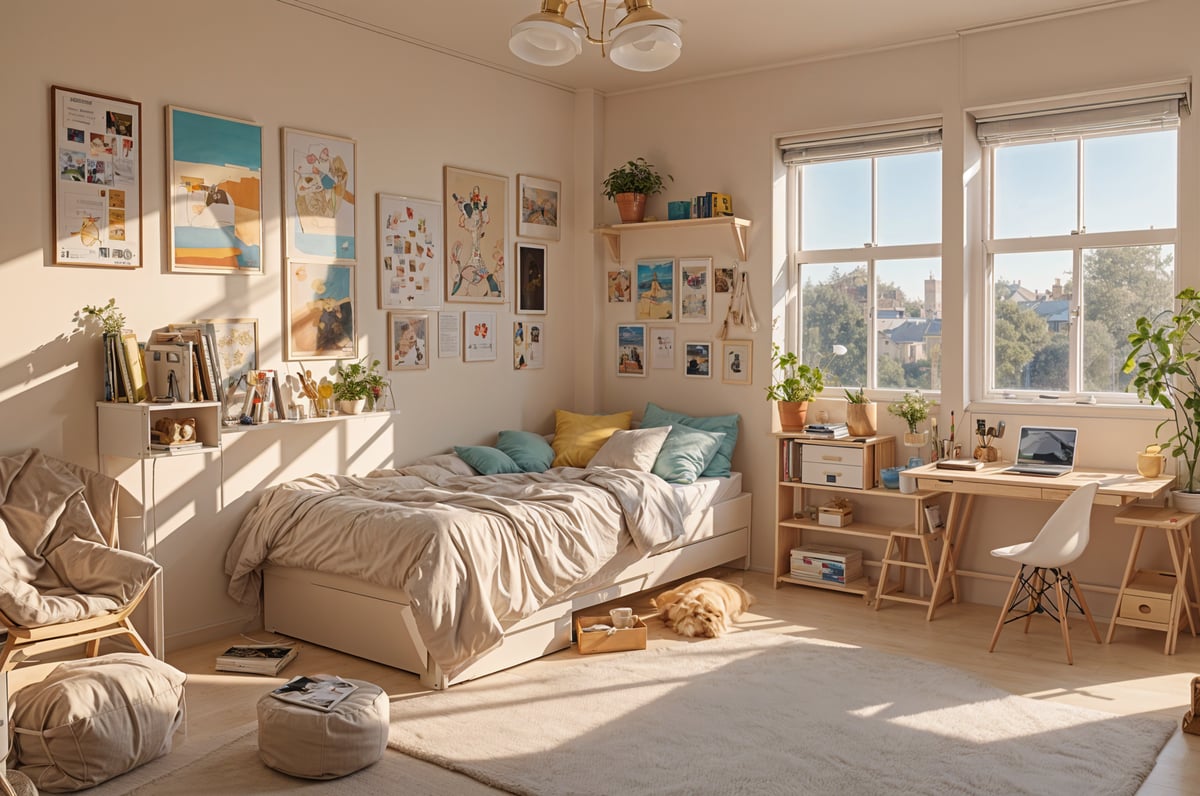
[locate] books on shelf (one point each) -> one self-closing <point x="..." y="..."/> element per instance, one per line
<point x="176" y="447"/>
<point x="826" y="563"/>
<point x="256" y="658"/>
<point x="827" y="430"/>
<point x="320" y="692"/>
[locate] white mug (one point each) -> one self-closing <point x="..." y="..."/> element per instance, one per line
<point x="622" y="618"/>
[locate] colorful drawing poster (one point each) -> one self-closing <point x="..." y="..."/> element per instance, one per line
<point x="318" y="197"/>
<point x="320" y="302"/>
<point x="655" y="286"/>
<point x="409" y="252"/>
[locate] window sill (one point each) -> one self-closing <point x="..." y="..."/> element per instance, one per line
<point x="1065" y="407"/>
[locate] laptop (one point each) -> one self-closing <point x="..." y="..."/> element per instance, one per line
<point x="1045" y="451"/>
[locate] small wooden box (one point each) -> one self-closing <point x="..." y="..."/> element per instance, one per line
<point x="834" y="516"/>
<point x="632" y="638"/>
<point x="1148" y="598"/>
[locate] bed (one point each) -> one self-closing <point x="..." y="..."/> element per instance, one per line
<point x="487" y="571"/>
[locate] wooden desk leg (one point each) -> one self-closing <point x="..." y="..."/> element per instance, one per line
<point x="1176" y="546"/>
<point x="1125" y="579"/>
<point x="955" y="524"/>
<point x="957" y="551"/>
<point x="1190" y="561"/>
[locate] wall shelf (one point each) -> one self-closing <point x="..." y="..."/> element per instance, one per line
<point x="612" y="234"/>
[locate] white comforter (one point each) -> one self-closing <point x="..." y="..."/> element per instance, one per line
<point x="474" y="554"/>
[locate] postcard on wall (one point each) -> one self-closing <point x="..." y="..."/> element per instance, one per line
<point x="538" y="202"/>
<point x="409" y="252"/>
<point x="237" y="351"/>
<point x="408" y="340"/>
<point x="479" y="335"/>
<point x="697" y="359"/>
<point x="97" y="151"/>
<point x="319" y="200"/>
<point x="655" y="288"/>
<point x="723" y="279"/>
<point x="529" y="345"/>
<point x="737" y="359"/>
<point x="631" y="350"/>
<point x="662" y="347"/>
<point x="531" y="279"/>
<point x="320" y="312"/>
<point x="618" y="287"/>
<point x="695" y="290"/>
<point x="449" y="334"/>
<point x="214" y="194"/>
<point x="476" y="224"/>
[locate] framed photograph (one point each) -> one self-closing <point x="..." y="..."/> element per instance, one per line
<point x="631" y="350"/>
<point x="723" y="279"/>
<point x="409" y="252"/>
<point x="662" y="347"/>
<point x="479" y="335"/>
<point x="618" y="287"/>
<point x="237" y="351"/>
<point x="655" y="289"/>
<point x="695" y="290"/>
<point x="531" y="279"/>
<point x="408" y="340"/>
<point x="97" y="151"/>
<point x="476" y="224"/>
<point x="737" y="360"/>
<point x="697" y="359"/>
<point x="529" y="345"/>
<point x="214" y="194"/>
<point x="539" y="201"/>
<point x="319" y="184"/>
<point x="320" y="312"/>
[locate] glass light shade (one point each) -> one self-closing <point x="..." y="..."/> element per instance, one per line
<point x="645" y="43"/>
<point x="545" y="40"/>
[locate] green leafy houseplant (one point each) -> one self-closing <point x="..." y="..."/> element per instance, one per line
<point x="358" y="380"/>
<point x="111" y="319"/>
<point x="635" y="176"/>
<point x="797" y="382"/>
<point x="1163" y="360"/>
<point x="913" y="408"/>
<point x="856" y="397"/>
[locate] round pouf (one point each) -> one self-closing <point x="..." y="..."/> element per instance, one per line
<point x="313" y="744"/>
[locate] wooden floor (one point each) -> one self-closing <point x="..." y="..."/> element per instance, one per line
<point x="1130" y="676"/>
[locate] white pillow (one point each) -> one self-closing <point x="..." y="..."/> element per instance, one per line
<point x="636" y="449"/>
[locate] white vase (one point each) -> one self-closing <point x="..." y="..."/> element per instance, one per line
<point x="352" y="407"/>
<point x="1186" y="501"/>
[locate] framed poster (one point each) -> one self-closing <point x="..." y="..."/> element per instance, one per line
<point x="449" y="334"/>
<point x="318" y="176"/>
<point x="410" y="252"/>
<point x="662" y="347"/>
<point x="320" y="312"/>
<point x="529" y="341"/>
<point x="97" y="151"/>
<point x="737" y="361"/>
<point x="214" y="194"/>
<point x="531" y="279"/>
<point x="655" y="289"/>
<point x="695" y="290"/>
<point x="237" y="350"/>
<point x="479" y="335"/>
<point x="697" y="358"/>
<point x="408" y="341"/>
<point x="631" y="349"/>
<point x="476" y="223"/>
<point x="538" y="200"/>
<point x="618" y="287"/>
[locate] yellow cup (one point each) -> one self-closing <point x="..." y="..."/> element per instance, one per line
<point x="1150" y="465"/>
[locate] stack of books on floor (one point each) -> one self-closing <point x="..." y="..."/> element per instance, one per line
<point x="827" y="430"/>
<point x="827" y="564"/>
<point x="256" y="658"/>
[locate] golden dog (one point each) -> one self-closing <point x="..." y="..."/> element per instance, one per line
<point x="703" y="607"/>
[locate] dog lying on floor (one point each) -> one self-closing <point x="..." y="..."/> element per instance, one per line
<point x="703" y="607"/>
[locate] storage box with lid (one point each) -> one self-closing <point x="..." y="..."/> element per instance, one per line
<point x="833" y="465"/>
<point x="836" y="515"/>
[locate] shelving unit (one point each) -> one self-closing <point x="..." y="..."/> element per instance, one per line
<point x="846" y="468"/>
<point x="612" y="234"/>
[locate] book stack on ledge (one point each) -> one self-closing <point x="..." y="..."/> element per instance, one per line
<point x="256" y="658"/>
<point x="827" y="430"/>
<point x="827" y="564"/>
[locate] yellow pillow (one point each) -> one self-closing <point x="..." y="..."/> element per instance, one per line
<point x="578" y="437"/>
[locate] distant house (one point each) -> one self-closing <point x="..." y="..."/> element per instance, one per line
<point x="910" y="340"/>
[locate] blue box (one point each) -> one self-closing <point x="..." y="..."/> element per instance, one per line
<point x="678" y="210"/>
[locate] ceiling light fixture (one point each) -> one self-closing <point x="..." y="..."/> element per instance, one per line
<point x="643" y="40"/>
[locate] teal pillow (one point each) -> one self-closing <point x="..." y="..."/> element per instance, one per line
<point x="685" y="454"/>
<point x="487" y="461"/>
<point x="530" y="451"/>
<point x="656" y="416"/>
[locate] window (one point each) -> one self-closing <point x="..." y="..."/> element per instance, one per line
<point x="1081" y="242"/>
<point x="867" y="259"/>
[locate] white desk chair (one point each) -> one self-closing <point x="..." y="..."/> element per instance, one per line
<point x="1061" y="541"/>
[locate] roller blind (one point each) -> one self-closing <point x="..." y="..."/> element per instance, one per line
<point x="850" y="145"/>
<point x="1127" y="116"/>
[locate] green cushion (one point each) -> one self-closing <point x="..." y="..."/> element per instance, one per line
<point x="530" y="451"/>
<point x="485" y="460"/>
<point x="685" y="454"/>
<point x="655" y="416"/>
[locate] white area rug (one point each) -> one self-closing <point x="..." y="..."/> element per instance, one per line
<point x="760" y="713"/>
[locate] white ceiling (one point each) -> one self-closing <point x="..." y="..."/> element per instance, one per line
<point x="719" y="36"/>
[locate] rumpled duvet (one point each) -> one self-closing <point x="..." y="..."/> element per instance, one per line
<point x="474" y="554"/>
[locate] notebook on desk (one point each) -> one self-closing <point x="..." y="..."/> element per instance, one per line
<point x="1045" y="451"/>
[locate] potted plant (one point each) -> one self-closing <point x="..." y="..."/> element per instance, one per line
<point x="862" y="419"/>
<point x="1164" y="354"/>
<point x="357" y="383"/>
<point x="796" y="386"/>
<point x="913" y="408"/>
<point x="629" y="185"/>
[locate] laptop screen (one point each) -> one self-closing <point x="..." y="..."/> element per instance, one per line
<point x="1040" y="445"/>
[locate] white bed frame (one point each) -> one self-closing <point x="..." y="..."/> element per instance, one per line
<point x="376" y="622"/>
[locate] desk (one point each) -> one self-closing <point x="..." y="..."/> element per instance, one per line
<point x="1117" y="488"/>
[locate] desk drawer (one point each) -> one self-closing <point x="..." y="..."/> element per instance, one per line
<point x="832" y="454"/>
<point x="1146" y="609"/>
<point x="832" y="474"/>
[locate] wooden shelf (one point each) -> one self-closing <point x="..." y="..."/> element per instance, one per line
<point x="861" y="586"/>
<point x="739" y="226"/>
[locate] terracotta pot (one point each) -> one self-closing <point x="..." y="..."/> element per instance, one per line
<point x="792" y="415"/>
<point x="861" y="420"/>
<point x="631" y="206"/>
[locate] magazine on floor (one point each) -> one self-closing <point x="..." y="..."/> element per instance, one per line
<point x="321" y="691"/>
<point x="256" y="658"/>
